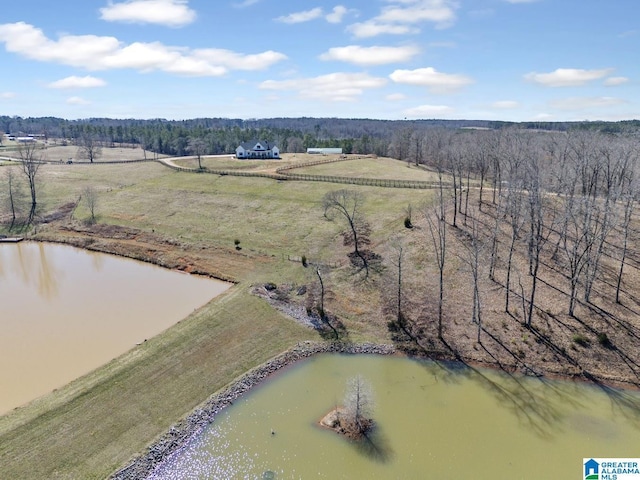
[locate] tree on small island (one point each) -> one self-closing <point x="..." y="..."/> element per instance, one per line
<point x="353" y="419"/>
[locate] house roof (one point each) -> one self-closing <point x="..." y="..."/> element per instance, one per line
<point x="251" y="144"/>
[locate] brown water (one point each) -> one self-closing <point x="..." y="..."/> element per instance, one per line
<point x="65" y="311"/>
<point x="434" y="422"/>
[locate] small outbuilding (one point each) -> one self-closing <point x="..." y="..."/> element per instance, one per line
<point x="257" y="150"/>
<point x="325" y="151"/>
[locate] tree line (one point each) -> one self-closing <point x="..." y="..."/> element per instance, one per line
<point x="562" y="201"/>
<point x="398" y="138"/>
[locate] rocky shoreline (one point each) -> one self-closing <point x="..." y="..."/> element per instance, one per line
<point x="179" y="434"/>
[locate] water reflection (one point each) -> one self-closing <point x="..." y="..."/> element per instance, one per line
<point x="66" y="311"/>
<point x="33" y="266"/>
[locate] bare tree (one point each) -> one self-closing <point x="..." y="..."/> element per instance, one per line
<point x="401" y="143"/>
<point x="31" y="164"/>
<point x="89" y="147"/>
<point x="295" y="145"/>
<point x="455" y="159"/>
<point x="358" y="407"/>
<point x="438" y="231"/>
<point x="473" y="248"/>
<point x="582" y="221"/>
<point x="13" y="194"/>
<point x="416" y="150"/>
<point x="513" y="210"/>
<point x="90" y="196"/>
<point x="395" y="288"/>
<point x="481" y="158"/>
<point x="197" y="147"/>
<point x="324" y="316"/>
<point x="497" y="221"/>
<point x="347" y="204"/>
<point x="536" y="219"/>
<point x="628" y="211"/>
<point x="438" y="146"/>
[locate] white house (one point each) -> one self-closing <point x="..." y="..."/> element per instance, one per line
<point x="257" y="150"/>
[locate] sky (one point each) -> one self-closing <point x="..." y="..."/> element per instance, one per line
<point x="512" y="60"/>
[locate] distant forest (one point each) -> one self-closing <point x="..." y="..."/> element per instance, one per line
<point x="292" y="135"/>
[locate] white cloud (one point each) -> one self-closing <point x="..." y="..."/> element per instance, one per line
<point x="246" y="3"/>
<point x="628" y="33"/>
<point x="395" y="97"/>
<point x="238" y="61"/>
<point x="92" y="52"/>
<point x="7" y="95"/>
<point x="582" y="103"/>
<point x="365" y="56"/>
<point x="614" y="81"/>
<point x="567" y="77"/>
<point x="505" y="104"/>
<point x="429" y="77"/>
<point x="429" y="111"/>
<point x="301" y="17"/>
<point x="77" y="101"/>
<point x="373" y="29"/>
<point x="335" y="87"/>
<point x="337" y="14"/>
<point x="78" y="82"/>
<point x="440" y="12"/>
<point x="401" y="16"/>
<point x="172" y="13"/>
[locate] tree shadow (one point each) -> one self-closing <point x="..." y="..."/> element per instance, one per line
<point x="534" y="400"/>
<point x="374" y="445"/>
<point x="540" y="404"/>
<point x="623" y="402"/>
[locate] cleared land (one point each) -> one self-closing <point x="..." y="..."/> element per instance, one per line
<point x="192" y="220"/>
<point x="382" y="168"/>
<point x="62" y="153"/>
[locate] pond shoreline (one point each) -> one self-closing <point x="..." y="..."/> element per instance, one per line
<point x="179" y="434"/>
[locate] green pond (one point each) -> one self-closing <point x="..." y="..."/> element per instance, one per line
<point x="434" y="421"/>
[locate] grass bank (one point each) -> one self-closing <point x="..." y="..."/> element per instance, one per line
<point x="95" y="425"/>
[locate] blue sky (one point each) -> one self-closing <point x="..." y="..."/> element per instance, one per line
<point x="517" y="60"/>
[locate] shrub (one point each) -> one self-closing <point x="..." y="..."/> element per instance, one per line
<point x="304" y="261"/>
<point x="407" y="223"/>
<point x="604" y="340"/>
<point x="581" y="340"/>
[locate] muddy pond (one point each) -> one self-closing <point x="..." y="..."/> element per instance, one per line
<point x="433" y="421"/>
<point x="65" y="311"/>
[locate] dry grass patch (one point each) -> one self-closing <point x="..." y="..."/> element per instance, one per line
<point x="64" y="153"/>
